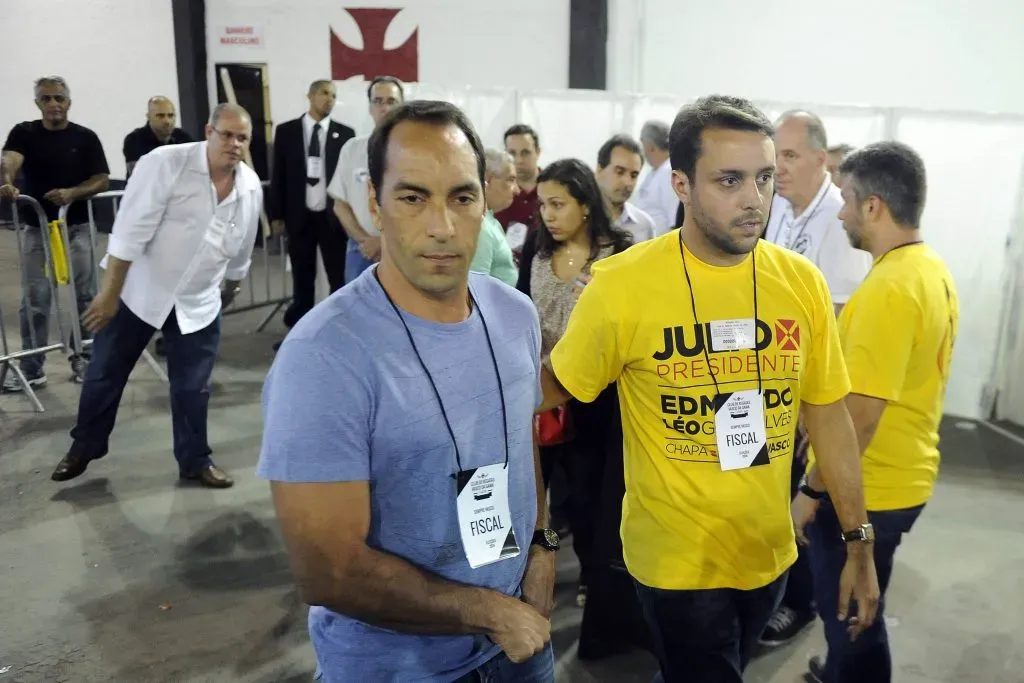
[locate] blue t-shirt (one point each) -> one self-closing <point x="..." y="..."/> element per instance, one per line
<point x="347" y="400"/>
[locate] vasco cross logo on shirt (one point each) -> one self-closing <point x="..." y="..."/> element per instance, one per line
<point x="787" y="335"/>
<point x="373" y="60"/>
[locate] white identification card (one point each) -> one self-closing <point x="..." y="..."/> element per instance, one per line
<point x="485" y="523"/>
<point x="739" y="430"/>
<point x="733" y="335"/>
<point x="216" y="233"/>
<point x="314" y="167"/>
<point x="516" y="235"/>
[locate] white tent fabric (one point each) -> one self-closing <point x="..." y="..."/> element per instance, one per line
<point x="974" y="164"/>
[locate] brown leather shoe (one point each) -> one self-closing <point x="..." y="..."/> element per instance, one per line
<point x="212" y="477"/>
<point x="71" y="466"/>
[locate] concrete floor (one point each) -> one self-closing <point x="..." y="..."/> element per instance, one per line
<point x="125" y="576"/>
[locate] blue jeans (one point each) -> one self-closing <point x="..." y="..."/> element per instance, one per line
<point x="707" y="636"/>
<point x="355" y="262"/>
<point x="117" y="348"/>
<point x="537" y="669"/>
<point x="35" y="297"/>
<point x="867" y="659"/>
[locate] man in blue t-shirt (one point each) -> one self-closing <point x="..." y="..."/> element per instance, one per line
<point x="398" y="438"/>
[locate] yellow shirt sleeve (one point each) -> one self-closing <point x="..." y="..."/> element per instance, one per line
<point x="825" y="380"/>
<point x="878" y="338"/>
<point x="588" y="357"/>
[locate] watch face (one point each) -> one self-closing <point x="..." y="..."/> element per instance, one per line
<point x="551" y="537"/>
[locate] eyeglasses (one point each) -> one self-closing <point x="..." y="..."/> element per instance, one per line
<point x="233" y="137"/>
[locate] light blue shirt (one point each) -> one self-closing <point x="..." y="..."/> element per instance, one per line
<point x="493" y="255"/>
<point x="347" y="400"/>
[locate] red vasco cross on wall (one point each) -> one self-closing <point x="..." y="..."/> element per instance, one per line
<point x="373" y="60"/>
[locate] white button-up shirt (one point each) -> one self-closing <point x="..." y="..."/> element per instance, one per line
<point x="818" y="234"/>
<point x="658" y="199"/>
<point x="316" y="195"/>
<point x="351" y="181"/>
<point x="179" y="254"/>
<point x="636" y="221"/>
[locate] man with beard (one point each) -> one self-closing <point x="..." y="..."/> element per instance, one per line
<point x="897" y="332"/>
<point x="716" y="338"/>
<point x="619" y="162"/>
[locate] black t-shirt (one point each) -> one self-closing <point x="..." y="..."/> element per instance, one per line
<point x="143" y="140"/>
<point x="56" y="160"/>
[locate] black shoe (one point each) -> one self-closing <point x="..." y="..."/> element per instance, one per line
<point x="71" y="466"/>
<point x="159" y="347"/>
<point x="785" y="625"/>
<point x="815" y="671"/>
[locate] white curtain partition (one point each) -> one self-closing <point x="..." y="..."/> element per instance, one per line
<point x="975" y="166"/>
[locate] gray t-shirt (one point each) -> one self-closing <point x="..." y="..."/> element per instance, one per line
<point x="347" y="400"/>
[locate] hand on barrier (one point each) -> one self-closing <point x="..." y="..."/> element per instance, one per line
<point x="60" y="197"/>
<point x="101" y="311"/>
<point x="522" y="632"/>
<point x="858" y="583"/>
<point x="8" y="191"/>
<point x="539" y="581"/>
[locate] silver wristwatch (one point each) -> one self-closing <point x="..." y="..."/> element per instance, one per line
<point x="865" y="533"/>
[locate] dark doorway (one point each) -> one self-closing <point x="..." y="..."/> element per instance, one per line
<point x="248" y="83"/>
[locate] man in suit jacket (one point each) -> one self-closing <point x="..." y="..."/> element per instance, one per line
<point x="305" y="155"/>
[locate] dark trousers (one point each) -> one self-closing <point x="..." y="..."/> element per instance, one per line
<point x="800" y="585"/>
<point x="583" y="462"/>
<point x="116" y="349"/>
<point x="317" y="231"/>
<point x="867" y="659"/>
<point x="707" y="636"/>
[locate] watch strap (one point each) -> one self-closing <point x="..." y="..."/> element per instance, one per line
<point x="806" y="489"/>
<point x="545" y="538"/>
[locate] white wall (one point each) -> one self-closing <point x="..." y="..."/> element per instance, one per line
<point x="932" y="54"/>
<point x="483" y="43"/>
<point x="114" y="54"/>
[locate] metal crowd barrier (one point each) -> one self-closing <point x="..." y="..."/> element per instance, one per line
<point x="278" y="298"/>
<point x="49" y="265"/>
<point x="76" y="323"/>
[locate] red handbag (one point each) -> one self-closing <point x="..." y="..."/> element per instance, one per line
<point x="553" y="427"/>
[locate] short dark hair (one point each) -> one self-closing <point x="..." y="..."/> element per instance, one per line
<point x="581" y="184"/>
<point x="893" y="172"/>
<point x="626" y="142"/>
<point x="522" y="129"/>
<point x="317" y="84"/>
<point x="431" y="112"/>
<point x="385" y="79"/>
<point x="714" y="111"/>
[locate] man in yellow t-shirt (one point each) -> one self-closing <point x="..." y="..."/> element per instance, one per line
<point x="715" y="338"/>
<point x="897" y="333"/>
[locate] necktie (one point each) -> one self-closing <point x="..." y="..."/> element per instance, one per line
<point x="314" y="151"/>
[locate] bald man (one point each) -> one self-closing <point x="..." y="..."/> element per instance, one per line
<point x="161" y="117"/>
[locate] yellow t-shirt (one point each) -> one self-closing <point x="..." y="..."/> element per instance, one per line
<point x="897" y="333"/>
<point x="686" y="523"/>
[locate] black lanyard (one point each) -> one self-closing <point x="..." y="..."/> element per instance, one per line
<point x="430" y="378"/>
<point x="902" y="246"/>
<point x="696" y="320"/>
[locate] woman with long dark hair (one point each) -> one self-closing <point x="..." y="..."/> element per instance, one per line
<point x="556" y="259"/>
